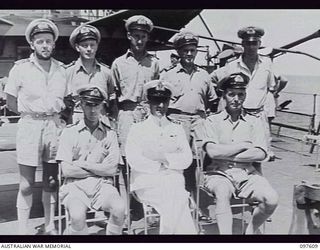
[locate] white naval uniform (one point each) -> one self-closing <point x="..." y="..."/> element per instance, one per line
<point x="161" y="184"/>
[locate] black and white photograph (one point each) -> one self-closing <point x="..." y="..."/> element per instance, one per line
<point x="159" y="122"/>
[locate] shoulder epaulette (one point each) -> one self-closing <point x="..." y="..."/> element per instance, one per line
<point x="60" y="63"/>
<point x="170" y="68"/>
<point x="73" y="124"/>
<point x="103" y="64"/>
<point x="254" y="115"/>
<point x="22" y="61"/>
<point x="213" y="114"/>
<point x="174" y="121"/>
<point x="69" y="65"/>
<point x="108" y="126"/>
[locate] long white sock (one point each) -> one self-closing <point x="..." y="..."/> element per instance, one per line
<point x="84" y="231"/>
<point x="23" y="219"/>
<point x="24" y="204"/>
<point x="49" y="202"/>
<point x="224" y="222"/>
<point x="113" y="229"/>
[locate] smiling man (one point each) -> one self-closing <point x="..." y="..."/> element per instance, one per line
<point x="35" y="89"/>
<point x="87" y="70"/>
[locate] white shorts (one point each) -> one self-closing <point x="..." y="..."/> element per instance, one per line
<point x="37" y="140"/>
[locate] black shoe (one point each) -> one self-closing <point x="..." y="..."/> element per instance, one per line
<point x="205" y="220"/>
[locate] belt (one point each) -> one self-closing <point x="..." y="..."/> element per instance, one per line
<point x="257" y="110"/>
<point x="180" y="112"/>
<point x="38" y="115"/>
<point x="128" y="105"/>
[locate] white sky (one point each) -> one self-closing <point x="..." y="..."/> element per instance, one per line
<point x="281" y="27"/>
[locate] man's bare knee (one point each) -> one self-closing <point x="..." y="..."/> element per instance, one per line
<point x="271" y="201"/>
<point x="78" y="219"/>
<point x="118" y="208"/>
<point x="25" y="188"/>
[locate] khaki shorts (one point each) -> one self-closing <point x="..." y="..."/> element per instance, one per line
<point x="90" y="191"/>
<point x="37" y="140"/>
<point x="240" y="183"/>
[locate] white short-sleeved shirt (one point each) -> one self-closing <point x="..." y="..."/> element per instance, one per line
<point x="261" y="79"/>
<point x="101" y="76"/>
<point x="37" y="90"/>
<point x="78" y="143"/>
<point x="191" y="92"/>
<point x="130" y="75"/>
<point x="220" y="129"/>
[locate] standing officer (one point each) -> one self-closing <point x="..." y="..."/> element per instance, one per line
<point x="157" y="151"/>
<point x="131" y="71"/>
<point x="35" y="89"/>
<point x="89" y="155"/>
<point x="234" y="140"/>
<point x="87" y="70"/>
<point x="193" y="92"/>
<point x="257" y="68"/>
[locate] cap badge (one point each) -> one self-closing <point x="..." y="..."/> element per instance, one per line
<point x="84" y="30"/>
<point x="238" y="78"/>
<point x="188" y="36"/>
<point x="251" y="31"/>
<point x="142" y="21"/>
<point x="43" y="26"/>
<point x="160" y="86"/>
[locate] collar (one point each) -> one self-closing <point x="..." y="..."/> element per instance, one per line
<point x="79" y="65"/>
<point x="54" y="62"/>
<point x="180" y="68"/>
<point x="82" y="126"/>
<point x="240" y="61"/>
<point x="130" y="53"/>
<point x="226" y="115"/>
<point x="163" y="121"/>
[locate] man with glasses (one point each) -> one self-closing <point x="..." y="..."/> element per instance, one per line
<point x="158" y="151"/>
<point x="35" y="89"/>
<point x="257" y="68"/>
<point x="87" y="70"/>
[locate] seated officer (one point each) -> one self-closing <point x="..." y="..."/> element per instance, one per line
<point x="89" y="156"/>
<point x="158" y="151"/>
<point x="234" y="141"/>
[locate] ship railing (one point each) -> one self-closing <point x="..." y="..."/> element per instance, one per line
<point x="299" y="123"/>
